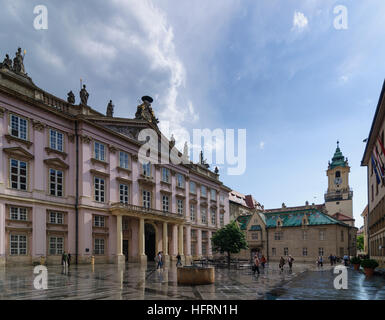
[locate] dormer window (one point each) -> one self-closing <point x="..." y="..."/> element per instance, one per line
<point x="305" y="221"/>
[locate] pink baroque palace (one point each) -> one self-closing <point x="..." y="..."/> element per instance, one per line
<point x="70" y="180"/>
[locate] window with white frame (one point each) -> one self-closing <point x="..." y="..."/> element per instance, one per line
<point x="165" y="203"/>
<point x="166" y="175"/>
<point x="203" y="191"/>
<point x="304" y="235"/>
<point x="123" y="193"/>
<point x="99" y="186"/>
<point x="55" y="182"/>
<point x="56" y="245"/>
<point x="100" y="151"/>
<point x="180" y="180"/>
<point x="99" y="221"/>
<point x="222" y="219"/>
<point x="17" y="213"/>
<point x="18" y="174"/>
<point x="19" y="127"/>
<point x="56" y="217"/>
<point x="146" y="169"/>
<point x="213" y="195"/>
<point x="322" y="235"/>
<point x="56" y="140"/>
<point x="192" y="187"/>
<point x="18" y="244"/>
<point x="123" y="160"/>
<point x="180" y="206"/>
<point x="320" y="251"/>
<point x="204" y="249"/>
<point x="304" y="252"/>
<point x="146" y="199"/>
<point x="192" y="212"/>
<point x="278" y="235"/>
<point x="99" y="246"/>
<point x="203" y="215"/>
<point x="285" y="251"/>
<point x="213" y="217"/>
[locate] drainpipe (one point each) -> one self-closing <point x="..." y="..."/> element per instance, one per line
<point x="77" y="194"/>
<point x="368" y="215"/>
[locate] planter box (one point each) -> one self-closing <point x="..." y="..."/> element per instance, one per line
<point x="369" y="272"/>
<point x="195" y="275"/>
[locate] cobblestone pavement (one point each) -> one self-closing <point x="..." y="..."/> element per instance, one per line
<point x="137" y="282"/>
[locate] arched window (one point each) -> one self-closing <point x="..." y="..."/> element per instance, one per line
<point x="338" y="174"/>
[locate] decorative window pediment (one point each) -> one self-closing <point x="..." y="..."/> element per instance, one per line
<point x="56" y="162"/>
<point x="279" y="222"/>
<point x="18" y="152"/>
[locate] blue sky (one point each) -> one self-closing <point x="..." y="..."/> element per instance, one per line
<point x="296" y="87"/>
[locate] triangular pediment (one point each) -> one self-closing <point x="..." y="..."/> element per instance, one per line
<point x="18" y="152"/>
<point x="56" y="162"/>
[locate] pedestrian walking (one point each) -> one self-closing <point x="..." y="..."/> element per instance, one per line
<point x="178" y="260"/>
<point x="320" y="261"/>
<point x="69" y="259"/>
<point x="331" y="259"/>
<point x="263" y="261"/>
<point x="159" y="260"/>
<point x="346" y="260"/>
<point x="281" y="263"/>
<point x="64" y="260"/>
<point x="290" y="260"/>
<point x="256" y="264"/>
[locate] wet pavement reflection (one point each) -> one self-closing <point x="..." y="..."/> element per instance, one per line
<point x="134" y="281"/>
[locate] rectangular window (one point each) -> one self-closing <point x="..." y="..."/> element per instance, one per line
<point x="213" y="217"/>
<point x="304" y="235"/>
<point x="320" y="251"/>
<point x="192" y="212"/>
<point x="213" y="195"/>
<point x="254" y="236"/>
<point x="56" y="217"/>
<point x="192" y="187"/>
<point x="204" y="249"/>
<point x="56" y="140"/>
<point x="56" y="182"/>
<point x="165" y="203"/>
<point x="123" y="193"/>
<point x="18" y="174"/>
<point x="146" y="199"/>
<point x="18" y="127"/>
<point x="203" y="215"/>
<point x="273" y="251"/>
<point x="203" y="191"/>
<point x="166" y="175"/>
<point x="17" y="213"/>
<point x="99" y="186"/>
<point x="222" y="199"/>
<point x="99" y="221"/>
<point x="304" y="252"/>
<point x="100" y="150"/>
<point x="18" y="244"/>
<point x="123" y="160"/>
<point x="180" y="206"/>
<point x="222" y="219"/>
<point x="99" y="246"/>
<point x="322" y="235"/>
<point x="147" y="169"/>
<point x="278" y="235"/>
<point x="285" y="251"/>
<point x="56" y="245"/>
<point x="180" y="180"/>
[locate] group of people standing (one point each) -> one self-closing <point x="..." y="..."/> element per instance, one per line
<point x="282" y="262"/>
<point x="257" y="261"/>
<point x="66" y="259"/>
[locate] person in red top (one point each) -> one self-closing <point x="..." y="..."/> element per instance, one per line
<point x="263" y="261"/>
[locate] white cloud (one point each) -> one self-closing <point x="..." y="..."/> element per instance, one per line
<point x="300" y="22"/>
<point x="262" y="145"/>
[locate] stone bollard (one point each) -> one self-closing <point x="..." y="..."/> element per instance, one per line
<point x="92" y="260"/>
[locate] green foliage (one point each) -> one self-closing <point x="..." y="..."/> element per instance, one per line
<point x="360" y="242"/>
<point x="355" y="260"/>
<point x="229" y="239"/>
<point x="369" y="263"/>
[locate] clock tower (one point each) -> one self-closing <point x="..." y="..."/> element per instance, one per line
<point x="339" y="196"/>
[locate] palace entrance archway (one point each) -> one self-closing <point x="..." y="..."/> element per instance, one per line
<point x="149" y="241"/>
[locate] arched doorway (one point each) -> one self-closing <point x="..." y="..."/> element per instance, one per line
<point x="149" y="241"/>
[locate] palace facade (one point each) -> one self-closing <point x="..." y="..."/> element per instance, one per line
<point x="374" y="159"/>
<point x="71" y="180"/>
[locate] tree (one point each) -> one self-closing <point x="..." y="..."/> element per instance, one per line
<point x="229" y="239"/>
<point x="360" y="242"/>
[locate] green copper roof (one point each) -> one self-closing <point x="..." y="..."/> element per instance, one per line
<point x="338" y="159"/>
<point x="243" y="221"/>
<point x="255" y="228"/>
<point x="294" y="218"/>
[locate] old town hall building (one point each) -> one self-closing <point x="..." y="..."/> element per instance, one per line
<point x="70" y="180"/>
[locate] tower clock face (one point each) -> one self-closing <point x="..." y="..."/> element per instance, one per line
<point x="337" y="181"/>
